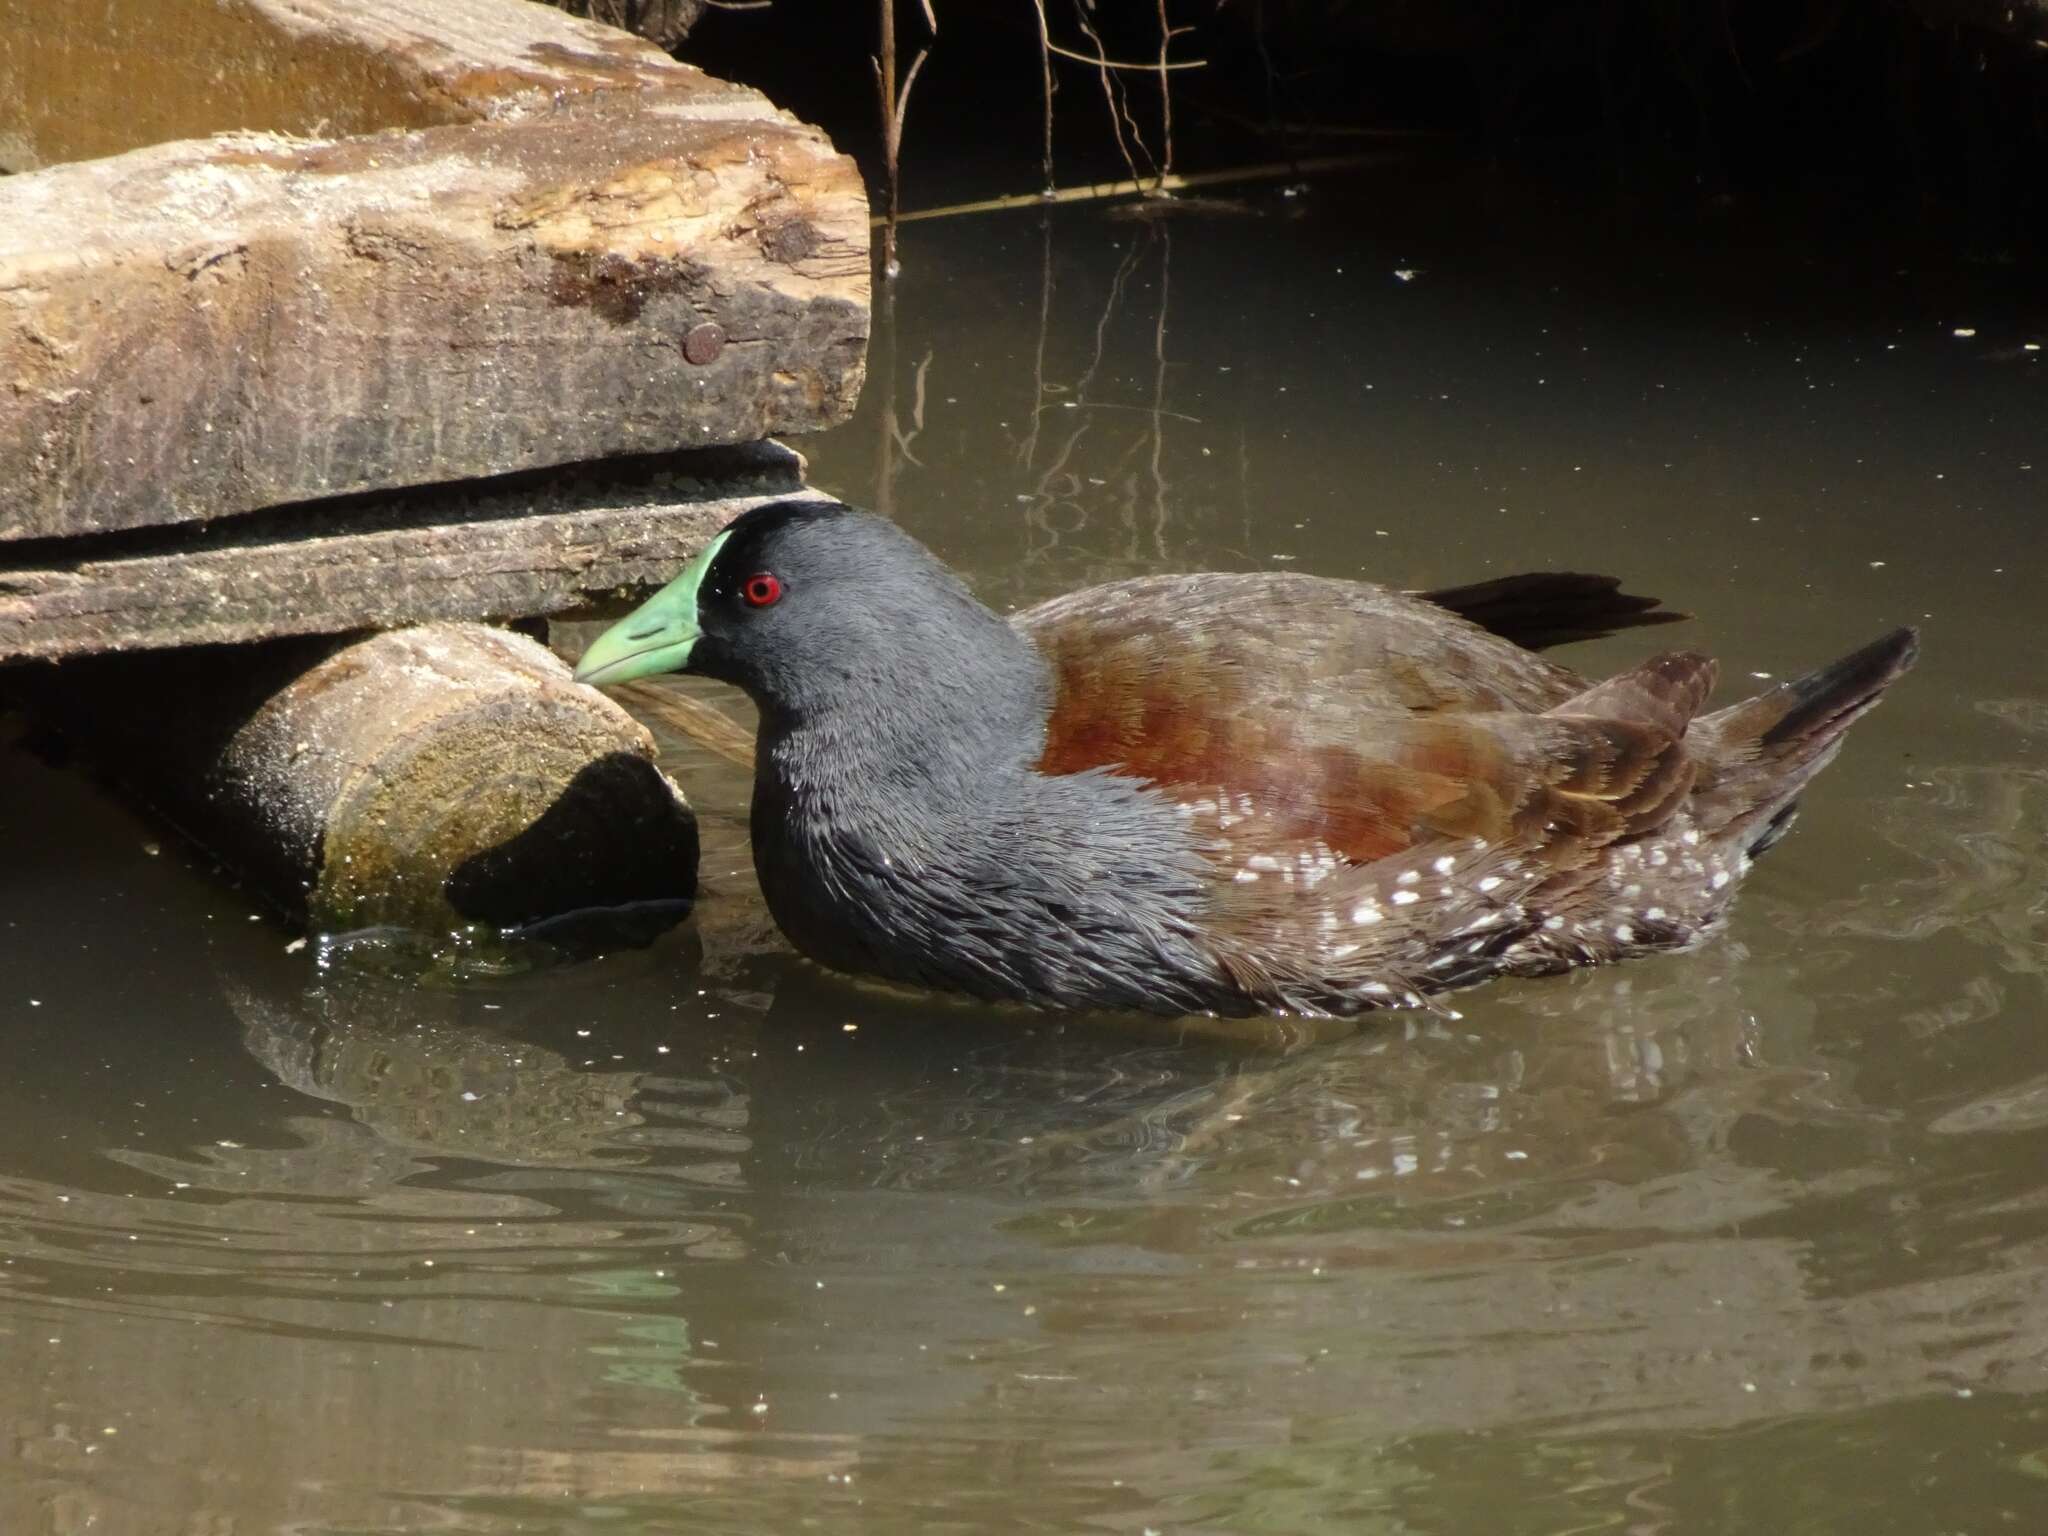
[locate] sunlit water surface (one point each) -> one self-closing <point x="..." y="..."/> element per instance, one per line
<point x="695" y="1238"/>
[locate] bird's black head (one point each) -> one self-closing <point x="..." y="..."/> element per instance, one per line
<point x="818" y="610"/>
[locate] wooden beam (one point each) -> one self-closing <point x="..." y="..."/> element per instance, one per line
<point x="518" y="547"/>
<point x="78" y="82"/>
<point x="571" y="248"/>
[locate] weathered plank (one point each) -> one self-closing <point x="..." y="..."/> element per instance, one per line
<point x="522" y="546"/>
<point x="621" y="257"/>
<point x="80" y="81"/>
<point x="426" y="778"/>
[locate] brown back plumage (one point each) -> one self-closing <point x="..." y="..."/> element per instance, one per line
<point x="1395" y="798"/>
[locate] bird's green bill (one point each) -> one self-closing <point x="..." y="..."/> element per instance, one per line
<point x="655" y="637"/>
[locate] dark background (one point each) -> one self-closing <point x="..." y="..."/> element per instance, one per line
<point x="1889" y="120"/>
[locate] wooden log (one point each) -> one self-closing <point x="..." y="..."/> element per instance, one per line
<point x="428" y="778"/>
<point x="590" y="251"/>
<point x="517" y="547"/>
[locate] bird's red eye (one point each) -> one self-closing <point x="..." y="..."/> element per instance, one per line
<point x="761" y="589"/>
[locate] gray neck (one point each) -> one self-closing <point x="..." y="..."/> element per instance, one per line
<point x="919" y="733"/>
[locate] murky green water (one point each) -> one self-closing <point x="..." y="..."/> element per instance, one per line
<point x="698" y="1239"/>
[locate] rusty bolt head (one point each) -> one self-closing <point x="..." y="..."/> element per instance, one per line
<point x="703" y="344"/>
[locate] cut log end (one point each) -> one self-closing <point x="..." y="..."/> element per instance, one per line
<point x="427" y="779"/>
<point x="454" y="774"/>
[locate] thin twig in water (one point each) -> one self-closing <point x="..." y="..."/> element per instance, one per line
<point x="1029" y="452"/>
<point x="1178" y="181"/>
<point x="905" y="439"/>
<point x="1102" y="63"/>
<point x="1109" y="95"/>
<point x="1045" y="67"/>
<point x="1166" y="32"/>
<point x="895" y="106"/>
<point x="885" y="84"/>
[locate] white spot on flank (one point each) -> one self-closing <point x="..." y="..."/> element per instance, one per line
<point x="1262" y="861"/>
<point x="1720" y="878"/>
<point x="1553" y="923"/>
<point x="1408" y="877"/>
<point x="1624" y="933"/>
<point x="1659" y="857"/>
<point x="1489" y="883"/>
<point x="1692" y="839"/>
<point x="1366" y="912"/>
<point x="1405" y="898"/>
<point x="1445" y="865"/>
<point x="1246" y="876"/>
<point x="1376" y="988"/>
<point x="1655" y="914"/>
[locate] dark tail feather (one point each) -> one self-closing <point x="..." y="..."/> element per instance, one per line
<point x="1838" y="693"/>
<point x="1545" y="608"/>
<point x="1759" y="754"/>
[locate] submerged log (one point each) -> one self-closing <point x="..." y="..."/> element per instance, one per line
<point x="517" y="547"/>
<point x="567" y="246"/>
<point x="427" y="778"/>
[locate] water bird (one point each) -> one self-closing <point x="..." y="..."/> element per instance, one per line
<point x="1227" y="793"/>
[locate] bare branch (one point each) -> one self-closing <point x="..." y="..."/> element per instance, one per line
<point x="1102" y="63"/>
<point x="1118" y="113"/>
<point x="1165" y="98"/>
<point x="1045" y="66"/>
<point x="903" y="104"/>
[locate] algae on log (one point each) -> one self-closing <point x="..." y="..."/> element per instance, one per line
<point x="568" y="247"/>
<point x="426" y="778"/>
